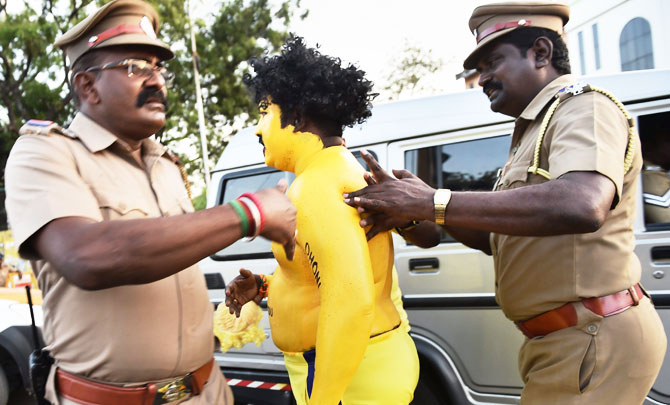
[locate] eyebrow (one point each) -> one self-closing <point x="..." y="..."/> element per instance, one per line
<point x="147" y="59"/>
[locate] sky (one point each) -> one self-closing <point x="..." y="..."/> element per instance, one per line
<point x="372" y="33"/>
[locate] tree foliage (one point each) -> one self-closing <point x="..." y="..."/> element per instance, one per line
<point x="410" y="74"/>
<point x="240" y="30"/>
<point x="33" y="73"/>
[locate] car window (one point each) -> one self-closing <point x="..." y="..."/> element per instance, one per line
<point x="232" y="186"/>
<point x="654" y="130"/>
<point x="461" y="166"/>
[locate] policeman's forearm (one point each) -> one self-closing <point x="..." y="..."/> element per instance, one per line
<point x="425" y="235"/>
<point x="97" y="255"/>
<point x="472" y="238"/>
<point x="553" y="208"/>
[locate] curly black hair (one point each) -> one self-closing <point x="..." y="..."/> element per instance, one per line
<point x="302" y="80"/>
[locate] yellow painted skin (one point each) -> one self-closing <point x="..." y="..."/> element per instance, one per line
<point x="337" y="280"/>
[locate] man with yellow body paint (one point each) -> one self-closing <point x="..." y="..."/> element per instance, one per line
<point x="331" y="309"/>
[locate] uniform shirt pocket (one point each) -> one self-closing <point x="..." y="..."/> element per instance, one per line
<point x="116" y="205"/>
<point x="515" y="176"/>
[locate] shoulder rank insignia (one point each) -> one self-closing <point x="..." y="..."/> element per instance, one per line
<point x="40" y="127"/>
<point x="573" y="90"/>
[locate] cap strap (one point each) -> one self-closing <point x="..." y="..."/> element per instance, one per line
<point x="112" y="32"/>
<point x="501" y="26"/>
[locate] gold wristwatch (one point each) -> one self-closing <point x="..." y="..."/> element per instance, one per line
<point x="441" y="199"/>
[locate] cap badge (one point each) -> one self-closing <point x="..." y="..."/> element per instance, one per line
<point x="147" y="27"/>
<point x="501" y="26"/>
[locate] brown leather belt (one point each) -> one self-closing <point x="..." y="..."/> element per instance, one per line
<point x="566" y="315"/>
<point x="89" y="392"/>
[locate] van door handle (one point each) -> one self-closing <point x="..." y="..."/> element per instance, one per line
<point x="423" y="264"/>
<point x="659" y="253"/>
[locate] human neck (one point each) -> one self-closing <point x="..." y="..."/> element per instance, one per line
<point x="119" y="129"/>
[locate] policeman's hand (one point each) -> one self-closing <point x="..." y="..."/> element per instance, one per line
<point x="240" y="290"/>
<point x="279" y="216"/>
<point x="380" y="223"/>
<point x="404" y="198"/>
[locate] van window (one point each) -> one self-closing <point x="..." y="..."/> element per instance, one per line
<point x="471" y="165"/>
<point x="462" y="166"/>
<point x="247" y="181"/>
<point x="654" y="132"/>
<point x="232" y="185"/>
<point x="235" y="186"/>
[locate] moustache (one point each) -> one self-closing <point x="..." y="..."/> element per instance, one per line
<point x="260" y="140"/>
<point x="151" y="93"/>
<point x="490" y="86"/>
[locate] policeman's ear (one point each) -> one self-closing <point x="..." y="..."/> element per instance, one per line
<point x="543" y="49"/>
<point x="84" y="85"/>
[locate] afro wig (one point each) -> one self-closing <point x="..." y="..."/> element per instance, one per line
<point x="302" y="80"/>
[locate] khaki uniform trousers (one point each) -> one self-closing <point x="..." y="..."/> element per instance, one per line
<point x="215" y="392"/>
<point x="608" y="361"/>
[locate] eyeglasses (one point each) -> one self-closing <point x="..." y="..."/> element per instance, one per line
<point x="137" y="67"/>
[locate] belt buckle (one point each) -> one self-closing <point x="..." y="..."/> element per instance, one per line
<point x="175" y="390"/>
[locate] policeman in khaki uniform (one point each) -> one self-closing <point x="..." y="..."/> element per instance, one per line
<point x="102" y="211"/>
<point x="559" y="223"/>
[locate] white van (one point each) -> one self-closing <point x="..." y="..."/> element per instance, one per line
<point x="467" y="348"/>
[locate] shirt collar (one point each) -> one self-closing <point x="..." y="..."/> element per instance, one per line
<point x="545" y="95"/>
<point x="96" y="138"/>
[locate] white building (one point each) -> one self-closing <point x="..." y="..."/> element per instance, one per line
<point x="609" y="36"/>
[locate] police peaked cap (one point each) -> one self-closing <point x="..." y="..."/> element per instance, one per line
<point x="492" y="21"/>
<point x="119" y="22"/>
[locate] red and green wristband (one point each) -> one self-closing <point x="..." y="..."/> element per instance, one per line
<point x="244" y="218"/>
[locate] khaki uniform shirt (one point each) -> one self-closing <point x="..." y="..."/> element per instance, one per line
<point x="536" y="274"/>
<point x="128" y="334"/>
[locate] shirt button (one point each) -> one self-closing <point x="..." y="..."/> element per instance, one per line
<point x="514" y="149"/>
<point x="592" y="328"/>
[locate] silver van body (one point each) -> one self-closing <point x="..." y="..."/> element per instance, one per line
<point x="468" y="349"/>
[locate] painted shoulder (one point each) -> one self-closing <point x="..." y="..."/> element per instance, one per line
<point x="39" y="127"/>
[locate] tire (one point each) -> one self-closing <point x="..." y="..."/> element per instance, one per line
<point x="4" y="387"/>
<point x="424" y="394"/>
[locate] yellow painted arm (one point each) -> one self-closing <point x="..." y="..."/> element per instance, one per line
<point x="338" y="253"/>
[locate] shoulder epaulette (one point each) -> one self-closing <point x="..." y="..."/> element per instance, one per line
<point x="573" y="90"/>
<point x="566" y="93"/>
<point x="40" y="127"/>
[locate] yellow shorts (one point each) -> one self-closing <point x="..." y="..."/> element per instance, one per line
<point x="387" y="375"/>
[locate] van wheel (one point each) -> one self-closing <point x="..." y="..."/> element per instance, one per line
<point x="4" y="387"/>
<point x="425" y="394"/>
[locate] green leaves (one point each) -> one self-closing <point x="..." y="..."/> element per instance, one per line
<point x="237" y="31"/>
<point x="33" y="72"/>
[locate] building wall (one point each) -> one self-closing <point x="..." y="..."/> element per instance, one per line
<point x="611" y="16"/>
